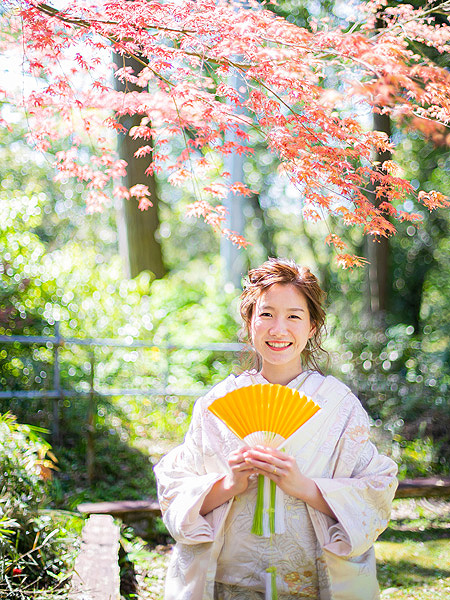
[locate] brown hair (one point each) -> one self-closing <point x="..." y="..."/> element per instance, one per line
<point x="283" y="271"/>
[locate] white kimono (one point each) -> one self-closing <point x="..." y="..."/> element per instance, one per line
<point x="316" y="557"/>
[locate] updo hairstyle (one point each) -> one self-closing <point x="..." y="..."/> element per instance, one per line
<point x="283" y="271"/>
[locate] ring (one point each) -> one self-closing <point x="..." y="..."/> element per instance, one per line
<point x="274" y="472"/>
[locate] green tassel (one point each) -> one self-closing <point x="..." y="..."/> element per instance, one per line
<point x="273" y="489"/>
<point x="257" y="527"/>
<point x="273" y="583"/>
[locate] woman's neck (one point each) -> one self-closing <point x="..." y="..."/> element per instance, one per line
<point x="281" y="378"/>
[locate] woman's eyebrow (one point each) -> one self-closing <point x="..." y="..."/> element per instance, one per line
<point x="268" y="307"/>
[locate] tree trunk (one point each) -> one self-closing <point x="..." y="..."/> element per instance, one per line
<point x="137" y="229"/>
<point x="379" y="276"/>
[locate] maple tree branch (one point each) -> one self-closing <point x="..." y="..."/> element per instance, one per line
<point x="240" y="66"/>
<point x="53" y="12"/>
<point x="309" y="131"/>
<point x="191" y="166"/>
<point x="443" y="8"/>
<point x="416" y="114"/>
<point x="437" y="10"/>
<point x="59" y="14"/>
<point x="334" y="52"/>
<point x="286" y="105"/>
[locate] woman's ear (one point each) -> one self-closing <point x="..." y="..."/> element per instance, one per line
<point x="312" y="331"/>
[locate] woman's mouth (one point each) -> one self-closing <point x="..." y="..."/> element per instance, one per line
<point x="279" y="345"/>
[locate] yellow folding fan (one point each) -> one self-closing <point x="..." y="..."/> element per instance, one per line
<point x="264" y="414"/>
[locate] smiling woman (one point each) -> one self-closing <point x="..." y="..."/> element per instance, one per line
<point x="280" y="295"/>
<point x="332" y="491"/>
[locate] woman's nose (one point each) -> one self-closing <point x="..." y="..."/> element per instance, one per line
<point x="278" y="327"/>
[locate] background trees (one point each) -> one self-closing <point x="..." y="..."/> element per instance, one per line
<point x="304" y="84"/>
<point x="304" y="124"/>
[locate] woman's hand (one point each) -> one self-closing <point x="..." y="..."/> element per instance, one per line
<point x="237" y="480"/>
<point x="232" y="484"/>
<point x="278" y="466"/>
<point x="283" y="470"/>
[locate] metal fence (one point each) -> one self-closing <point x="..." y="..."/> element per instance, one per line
<point x="91" y="391"/>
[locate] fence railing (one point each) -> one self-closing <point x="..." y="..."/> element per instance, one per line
<point x="92" y="391"/>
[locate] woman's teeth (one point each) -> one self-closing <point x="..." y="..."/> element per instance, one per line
<point x="279" y="344"/>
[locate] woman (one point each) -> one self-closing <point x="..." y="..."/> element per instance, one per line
<point x="335" y="489"/>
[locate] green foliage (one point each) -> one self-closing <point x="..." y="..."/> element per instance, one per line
<point x="74" y="279"/>
<point x="419" y="254"/>
<point x="301" y="12"/>
<point x="394" y="370"/>
<point x="34" y="544"/>
<point x="403" y="380"/>
<point x="24" y="291"/>
<point x="172" y="311"/>
<point x="37" y="217"/>
<point x="418" y="457"/>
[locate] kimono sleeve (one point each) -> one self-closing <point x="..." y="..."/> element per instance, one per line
<point x="183" y="483"/>
<point x="360" y="492"/>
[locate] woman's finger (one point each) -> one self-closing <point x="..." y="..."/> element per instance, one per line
<point x="238" y="454"/>
<point x="271" y="467"/>
<point x="244" y="468"/>
<point x="267" y="457"/>
<point x="237" y="460"/>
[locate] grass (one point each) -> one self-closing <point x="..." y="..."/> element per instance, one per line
<point x="413" y="554"/>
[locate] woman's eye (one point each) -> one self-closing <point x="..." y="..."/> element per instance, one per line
<point x="294" y="317"/>
<point x="265" y="314"/>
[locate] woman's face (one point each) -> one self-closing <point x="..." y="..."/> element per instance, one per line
<point x="280" y="329"/>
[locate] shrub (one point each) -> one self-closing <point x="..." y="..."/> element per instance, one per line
<point x="35" y="544"/>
